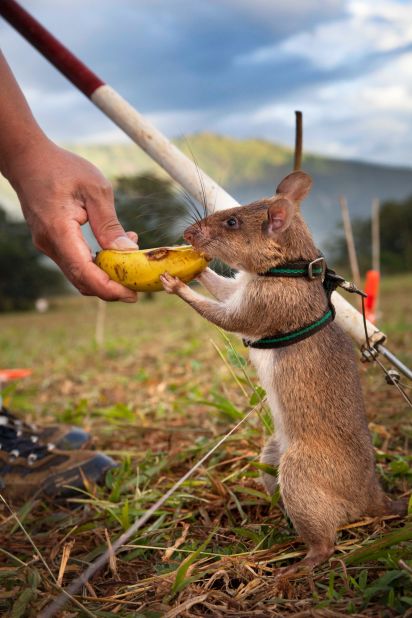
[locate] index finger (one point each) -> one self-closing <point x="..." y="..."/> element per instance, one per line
<point x="74" y="257"/>
<point x="91" y="280"/>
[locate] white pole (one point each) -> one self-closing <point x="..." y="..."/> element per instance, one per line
<point x="351" y="321"/>
<point x="191" y="177"/>
<point x="162" y="150"/>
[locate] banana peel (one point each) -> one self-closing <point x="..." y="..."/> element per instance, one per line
<point x="141" y="270"/>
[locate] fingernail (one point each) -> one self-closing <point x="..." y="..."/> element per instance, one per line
<point x="133" y="236"/>
<point x="123" y="242"/>
<point x="129" y="299"/>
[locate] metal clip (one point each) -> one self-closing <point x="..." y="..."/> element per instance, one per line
<point x="349" y="286"/>
<point x="319" y="261"/>
<point x="368" y="354"/>
<point x="393" y="377"/>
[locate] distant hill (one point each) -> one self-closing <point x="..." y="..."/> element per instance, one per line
<point x="251" y="168"/>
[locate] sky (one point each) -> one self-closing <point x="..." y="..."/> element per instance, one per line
<point x="235" y="67"/>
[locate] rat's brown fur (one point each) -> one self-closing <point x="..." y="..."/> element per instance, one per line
<point x="322" y="444"/>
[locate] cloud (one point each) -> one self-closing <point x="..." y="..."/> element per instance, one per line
<point x="368" y="117"/>
<point x="369" y="27"/>
<point x="360" y="105"/>
<point x="285" y="18"/>
<point x="233" y="66"/>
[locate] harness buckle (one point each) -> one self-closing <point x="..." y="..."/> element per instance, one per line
<point x="320" y="261"/>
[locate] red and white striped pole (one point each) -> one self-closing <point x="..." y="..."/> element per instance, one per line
<point x="138" y="128"/>
<point x="151" y="140"/>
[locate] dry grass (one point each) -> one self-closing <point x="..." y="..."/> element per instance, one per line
<point x="156" y="398"/>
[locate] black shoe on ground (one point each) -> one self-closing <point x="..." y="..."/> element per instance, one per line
<point x="30" y="467"/>
<point x="64" y="437"/>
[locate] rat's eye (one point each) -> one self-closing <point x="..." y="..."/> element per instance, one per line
<point x="232" y="222"/>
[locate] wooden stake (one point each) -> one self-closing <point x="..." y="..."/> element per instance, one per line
<point x="297" y="164"/>
<point x="100" y="322"/>
<point x="350" y="243"/>
<point x="376" y="248"/>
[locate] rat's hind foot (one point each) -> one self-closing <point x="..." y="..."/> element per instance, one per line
<point x="316" y="555"/>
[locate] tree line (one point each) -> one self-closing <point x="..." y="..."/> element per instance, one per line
<point x="158" y="212"/>
<point x="395" y="239"/>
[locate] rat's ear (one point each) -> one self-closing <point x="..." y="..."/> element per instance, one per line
<point x="295" y="186"/>
<point x="280" y="215"/>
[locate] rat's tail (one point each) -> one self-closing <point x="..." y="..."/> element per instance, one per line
<point x="382" y="505"/>
<point x="399" y="507"/>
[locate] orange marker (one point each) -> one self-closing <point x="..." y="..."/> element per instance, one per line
<point x="372" y="290"/>
<point x="6" y="375"/>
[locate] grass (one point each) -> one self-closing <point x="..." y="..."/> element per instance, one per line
<point x="159" y="394"/>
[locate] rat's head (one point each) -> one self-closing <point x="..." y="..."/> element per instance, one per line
<point x="260" y="235"/>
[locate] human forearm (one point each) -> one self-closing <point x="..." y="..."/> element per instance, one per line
<point x="18" y="129"/>
<point x="59" y="192"/>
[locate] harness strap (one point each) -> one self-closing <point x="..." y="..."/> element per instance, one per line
<point x="281" y="341"/>
<point x="311" y="270"/>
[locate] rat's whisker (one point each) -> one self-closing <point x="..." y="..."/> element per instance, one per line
<point x="192" y="203"/>
<point x="192" y="209"/>
<point x="201" y="182"/>
<point x="202" y="185"/>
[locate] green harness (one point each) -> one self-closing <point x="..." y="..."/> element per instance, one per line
<point x="311" y="270"/>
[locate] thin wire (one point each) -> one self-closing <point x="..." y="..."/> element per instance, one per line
<point x="372" y="351"/>
<point x="393" y="381"/>
<point x="51" y="609"/>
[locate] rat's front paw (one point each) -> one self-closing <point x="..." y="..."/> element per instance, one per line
<point x="172" y="285"/>
<point x="204" y="275"/>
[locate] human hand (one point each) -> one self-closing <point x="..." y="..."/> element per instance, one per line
<point x="60" y="191"/>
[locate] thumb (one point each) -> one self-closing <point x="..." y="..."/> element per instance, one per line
<point x="105" y="224"/>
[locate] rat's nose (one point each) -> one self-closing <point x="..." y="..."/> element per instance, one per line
<point x="190" y="234"/>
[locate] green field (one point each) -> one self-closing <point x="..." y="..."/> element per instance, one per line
<point x="164" y="387"/>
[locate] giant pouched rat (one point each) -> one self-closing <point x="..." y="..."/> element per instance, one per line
<point x="322" y="444"/>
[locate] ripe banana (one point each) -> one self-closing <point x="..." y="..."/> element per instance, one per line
<point x="141" y="270"/>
